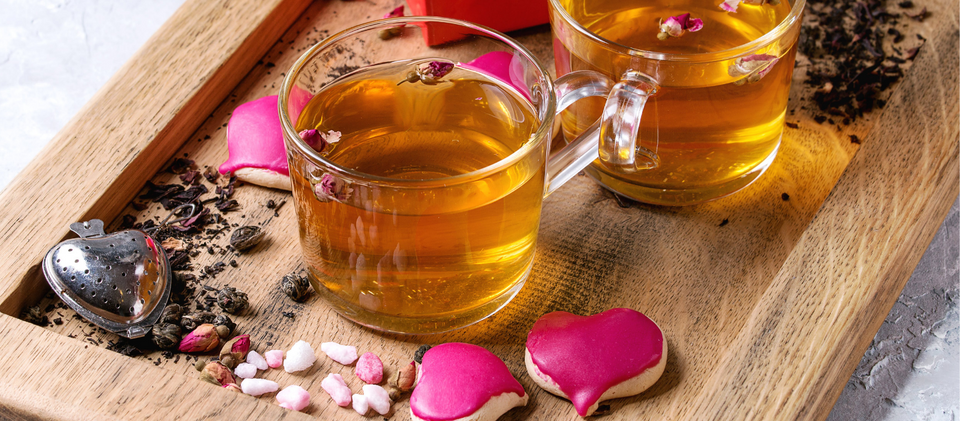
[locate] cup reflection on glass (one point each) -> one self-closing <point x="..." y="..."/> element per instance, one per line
<point x="701" y="114"/>
<point x="418" y="171"/>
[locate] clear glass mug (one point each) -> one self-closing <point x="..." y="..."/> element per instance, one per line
<point x="425" y="250"/>
<point x="681" y="126"/>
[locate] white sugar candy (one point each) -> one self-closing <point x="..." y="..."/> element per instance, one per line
<point x="342" y="354"/>
<point x="257" y="387"/>
<point x="300" y="357"/>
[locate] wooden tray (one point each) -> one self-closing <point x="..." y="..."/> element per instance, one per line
<point x="768" y="303"/>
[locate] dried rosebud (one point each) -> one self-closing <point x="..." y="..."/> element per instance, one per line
<point x="224" y="321"/>
<point x="203" y="339"/>
<point x="218" y="373"/>
<point x="407" y="377"/>
<point x="313" y="138"/>
<point x="235" y="351"/>
<point x="233" y="387"/>
<point x="754" y="67"/>
<point x="394" y="31"/>
<point x="246" y="237"/>
<point x="166" y="335"/>
<point x="296" y="287"/>
<point x="193" y="320"/>
<point x="430" y="73"/>
<point x="676" y="26"/>
<point x="171" y="314"/>
<point x="330" y="187"/>
<point x="395" y="13"/>
<point x="231" y="300"/>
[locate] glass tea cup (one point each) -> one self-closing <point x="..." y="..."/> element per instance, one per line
<point x="692" y="118"/>
<point x="418" y="156"/>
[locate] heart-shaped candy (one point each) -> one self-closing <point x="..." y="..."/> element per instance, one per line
<point x="617" y="353"/>
<point x="119" y="281"/>
<point x="463" y="381"/>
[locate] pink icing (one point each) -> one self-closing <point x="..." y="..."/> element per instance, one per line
<point x="500" y="65"/>
<point x="456" y="379"/>
<point x="255" y="138"/>
<point x="586" y="356"/>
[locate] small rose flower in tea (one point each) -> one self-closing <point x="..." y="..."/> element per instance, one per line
<point x="730" y="5"/>
<point x="319" y="141"/>
<point x="429" y="73"/>
<point x="330" y="187"/>
<point x="676" y="26"/>
<point x="754" y="67"/>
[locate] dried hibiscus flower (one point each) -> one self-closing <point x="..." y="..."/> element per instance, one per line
<point x="676" y="26"/>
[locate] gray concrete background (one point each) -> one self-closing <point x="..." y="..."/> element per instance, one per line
<point x="54" y="54"/>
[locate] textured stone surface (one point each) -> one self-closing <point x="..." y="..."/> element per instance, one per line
<point x="55" y="54"/>
<point x="912" y="369"/>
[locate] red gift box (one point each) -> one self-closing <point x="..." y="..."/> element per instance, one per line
<point x="502" y="15"/>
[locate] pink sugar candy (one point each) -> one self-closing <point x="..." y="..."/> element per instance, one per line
<point x="337" y="389"/>
<point x="293" y="397"/>
<point x="274" y="358"/>
<point x="369" y="368"/>
<point x="342" y="354"/>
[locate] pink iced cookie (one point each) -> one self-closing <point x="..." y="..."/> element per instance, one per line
<point x="255" y="143"/>
<point x="617" y="353"/>
<point x="503" y="66"/>
<point x="460" y="381"/>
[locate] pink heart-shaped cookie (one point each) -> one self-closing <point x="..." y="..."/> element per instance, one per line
<point x="458" y="380"/>
<point x="619" y="352"/>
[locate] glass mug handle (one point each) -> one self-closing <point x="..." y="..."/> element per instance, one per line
<point x="613" y="138"/>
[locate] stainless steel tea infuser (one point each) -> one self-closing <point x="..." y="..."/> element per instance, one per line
<point x="119" y="281"/>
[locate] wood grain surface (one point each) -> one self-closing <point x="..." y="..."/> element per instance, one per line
<point x="767" y="303"/>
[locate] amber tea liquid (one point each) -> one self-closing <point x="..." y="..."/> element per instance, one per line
<point x="420" y="251"/>
<point x="713" y="136"/>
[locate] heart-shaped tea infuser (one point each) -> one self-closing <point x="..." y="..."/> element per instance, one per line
<point x="120" y="281"/>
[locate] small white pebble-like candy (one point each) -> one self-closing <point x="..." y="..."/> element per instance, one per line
<point x="334" y="385"/>
<point x="257" y="387"/>
<point x="245" y="371"/>
<point x="360" y="404"/>
<point x="293" y="397"/>
<point x="274" y="358"/>
<point x="300" y="357"/>
<point x="377" y="398"/>
<point x="342" y="354"/>
<point x="257" y="360"/>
